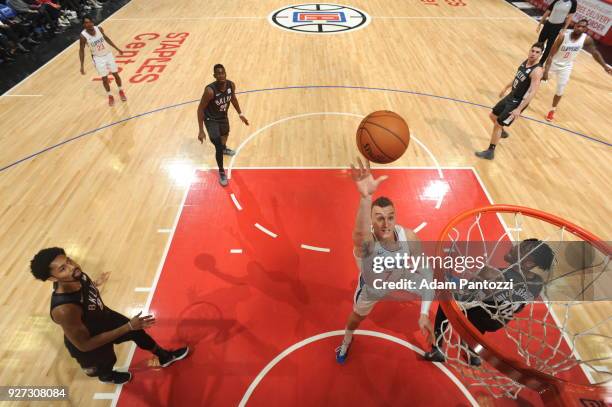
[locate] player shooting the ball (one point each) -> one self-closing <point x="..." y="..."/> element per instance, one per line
<point x="376" y="233"/>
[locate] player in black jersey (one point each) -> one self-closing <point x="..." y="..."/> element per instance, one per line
<point x="524" y="87"/>
<point x="503" y="304"/>
<point x="212" y="113"/>
<point x="90" y="327"/>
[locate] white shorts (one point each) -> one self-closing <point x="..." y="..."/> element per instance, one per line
<point x="563" y="77"/>
<point x="105" y="64"/>
<point x="361" y="306"/>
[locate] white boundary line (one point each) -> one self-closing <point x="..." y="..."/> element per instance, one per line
<point x="145" y="309"/>
<point x="5" y="94"/>
<point x="236" y="203"/>
<point x="315" y="248"/>
<point x="142" y="289"/>
<point x="25" y="96"/>
<point x="191" y="18"/>
<point x="551" y="311"/>
<point x="420" y="227"/>
<point x="331" y="167"/>
<point x="105" y="396"/>
<point x="467" y="18"/>
<point x="307" y="341"/>
<point x="266" y="231"/>
<point x="235" y="251"/>
<point x="299" y="116"/>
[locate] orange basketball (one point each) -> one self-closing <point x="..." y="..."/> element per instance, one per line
<point x="383" y="136"/>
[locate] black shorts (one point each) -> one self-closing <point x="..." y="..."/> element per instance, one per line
<point x="216" y="129"/>
<point x="481" y="319"/>
<point x="504" y="107"/>
<point x="104" y="355"/>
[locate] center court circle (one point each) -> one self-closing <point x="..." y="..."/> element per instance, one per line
<point x="319" y="18"/>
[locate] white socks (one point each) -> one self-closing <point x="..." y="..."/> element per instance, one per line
<point x="348" y="337"/>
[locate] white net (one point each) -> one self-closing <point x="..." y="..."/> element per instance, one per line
<point x="557" y="316"/>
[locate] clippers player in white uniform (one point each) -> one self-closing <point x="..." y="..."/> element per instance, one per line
<point x="377" y="234"/>
<point x="562" y="56"/>
<point x="102" y="56"/>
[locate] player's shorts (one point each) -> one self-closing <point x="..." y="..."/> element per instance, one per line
<point x="216" y="129"/>
<point x="504" y="107"/>
<point x="105" y="354"/>
<point x="482" y="320"/>
<point x="563" y="77"/>
<point x="361" y="305"/>
<point x="105" y="64"/>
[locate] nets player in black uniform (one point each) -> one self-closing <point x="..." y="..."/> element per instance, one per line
<point x="524" y="87"/>
<point x="212" y="113"/>
<point x="90" y="327"/>
<point x="503" y="304"/>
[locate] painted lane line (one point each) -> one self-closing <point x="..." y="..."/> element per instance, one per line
<point x="236" y="203"/>
<point x="266" y="231"/>
<point x="315" y="248"/>
<point x="420" y="227"/>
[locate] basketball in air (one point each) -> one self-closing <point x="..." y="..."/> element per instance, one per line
<point x="383" y="136"/>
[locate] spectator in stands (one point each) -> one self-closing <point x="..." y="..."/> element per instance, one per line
<point x="13" y="39"/>
<point x="11" y="25"/>
<point x="39" y="15"/>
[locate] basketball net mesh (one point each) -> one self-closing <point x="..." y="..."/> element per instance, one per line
<point x="568" y="327"/>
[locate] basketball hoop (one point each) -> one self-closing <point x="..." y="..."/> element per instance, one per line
<point x="546" y="342"/>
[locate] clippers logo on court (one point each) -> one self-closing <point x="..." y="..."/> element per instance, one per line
<point x="319" y="18"/>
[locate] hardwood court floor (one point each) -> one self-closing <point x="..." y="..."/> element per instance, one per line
<point x="106" y="195"/>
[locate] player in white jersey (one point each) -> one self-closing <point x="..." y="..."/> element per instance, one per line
<point x="377" y="234"/>
<point x="562" y="56"/>
<point x="103" y="58"/>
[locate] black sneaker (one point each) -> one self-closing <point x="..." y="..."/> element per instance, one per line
<point x="173" y="356"/>
<point x="228" y="151"/>
<point x="434" y="356"/>
<point x="116" y="377"/>
<point x="505" y="134"/>
<point x="486" y="154"/>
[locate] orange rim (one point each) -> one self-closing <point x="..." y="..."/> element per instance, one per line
<point x="513" y="367"/>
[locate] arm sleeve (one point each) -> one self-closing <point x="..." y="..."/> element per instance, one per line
<point x="574" y="6"/>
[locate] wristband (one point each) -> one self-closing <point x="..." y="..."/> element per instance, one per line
<point x="130" y="325"/>
<point x="240" y="115"/>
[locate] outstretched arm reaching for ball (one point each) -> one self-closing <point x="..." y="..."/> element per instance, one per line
<point x="366" y="185"/>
